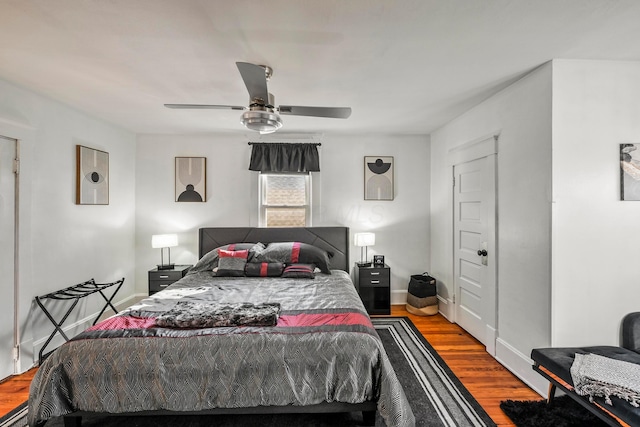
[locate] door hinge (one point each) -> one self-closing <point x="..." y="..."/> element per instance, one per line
<point x="16" y="166"/>
<point x="454" y="181"/>
<point x="16" y="353"/>
<point x="454" y="298"/>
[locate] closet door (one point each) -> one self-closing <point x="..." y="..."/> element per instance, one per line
<point x="7" y="224"/>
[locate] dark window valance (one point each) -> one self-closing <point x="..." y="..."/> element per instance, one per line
<point x="284" y="157"/>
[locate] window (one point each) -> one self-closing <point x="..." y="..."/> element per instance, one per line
<point x="285" y="200"/>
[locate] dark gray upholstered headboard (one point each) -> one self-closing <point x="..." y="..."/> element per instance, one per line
<point x="334" y="240"/>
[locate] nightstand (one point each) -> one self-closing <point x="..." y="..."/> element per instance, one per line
<point x="160" y="279"/>
<point x="374" y="286"/>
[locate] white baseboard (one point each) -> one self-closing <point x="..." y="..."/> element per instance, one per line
<point x="399" y="297"/>
<point x="25" y="357"/>
<point x="520" y="366"/>
<point x="491" y="337"/>
<point x="444" y="307"/>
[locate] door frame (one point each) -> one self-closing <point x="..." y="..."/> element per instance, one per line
<point x="25" y="135"/>
<point x="485" y="146"/>
<point x="16" y="245"/>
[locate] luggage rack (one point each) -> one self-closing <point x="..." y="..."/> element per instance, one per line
<point x="76" y="293"/>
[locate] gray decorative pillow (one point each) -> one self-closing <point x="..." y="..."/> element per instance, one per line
<point x="209" y="261"/>
<point x="263" y="269"/>
<point x="232" y="263"/>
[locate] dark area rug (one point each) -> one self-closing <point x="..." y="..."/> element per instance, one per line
<point x="16" y="417"/>
<point x="564" y="412"/>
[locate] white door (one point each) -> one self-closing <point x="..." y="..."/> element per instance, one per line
<point x="474" y="249"/>
<point x="7" y="206"/>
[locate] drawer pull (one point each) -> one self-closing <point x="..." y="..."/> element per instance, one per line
<point x="376" y="273"/>
<point x="163" y="286"/>
<point x="375" y="282"/>
<point x="164" y="277"/>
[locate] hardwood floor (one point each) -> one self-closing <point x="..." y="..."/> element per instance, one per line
<point x="487" y="380"/>
<point x="15" y="391"/>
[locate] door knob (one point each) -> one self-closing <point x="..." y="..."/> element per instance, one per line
<point x="482" y="252"/>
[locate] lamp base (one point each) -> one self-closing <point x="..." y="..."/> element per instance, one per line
<point x="363" y="264"/>
<point x="166" y="266"/>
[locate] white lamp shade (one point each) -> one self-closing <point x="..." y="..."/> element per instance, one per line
<point x="364" y="239"/>
<point x="164" y="240"/>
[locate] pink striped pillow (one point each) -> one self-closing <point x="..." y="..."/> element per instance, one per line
<point x="299" y="271"/>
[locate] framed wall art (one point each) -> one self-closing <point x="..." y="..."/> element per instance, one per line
<point x="629" y="171"/>
<point x="378" y="178"/>
<point x="92" y="176"/>
<point x="191" y="179"/>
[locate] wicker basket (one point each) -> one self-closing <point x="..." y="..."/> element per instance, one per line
<point x="422" y="296"/>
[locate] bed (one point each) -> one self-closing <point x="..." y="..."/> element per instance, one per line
<point x="320" y="354"/>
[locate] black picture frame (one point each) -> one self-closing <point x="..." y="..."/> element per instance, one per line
<point x="378" y="260"/>
<point x="378" y="178"/>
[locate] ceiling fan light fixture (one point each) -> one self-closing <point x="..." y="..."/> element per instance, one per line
<point x="261" y="121"/>
<point x="262" y="115"/>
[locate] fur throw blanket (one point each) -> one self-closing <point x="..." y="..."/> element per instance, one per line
<point x="209" y="315"/>
<point x="599" y="376"/>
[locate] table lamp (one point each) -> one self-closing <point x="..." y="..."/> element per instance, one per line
<point x="164" y="241"/>
<point x="364" y="240"/>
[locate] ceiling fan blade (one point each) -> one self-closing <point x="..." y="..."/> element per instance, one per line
<point x="331" y="112"/>
<point x="205" y="107"/>
<point x="255" y="79"/>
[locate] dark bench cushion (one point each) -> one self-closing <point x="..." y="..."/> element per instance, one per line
<point x="559" y="361"/>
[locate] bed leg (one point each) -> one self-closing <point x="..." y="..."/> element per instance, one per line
<point x="369" y="418"/>
<point x="552" y="393"/>
<point x="72" y="421"/>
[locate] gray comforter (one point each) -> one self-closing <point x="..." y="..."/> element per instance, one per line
<point x="323" y="349"/>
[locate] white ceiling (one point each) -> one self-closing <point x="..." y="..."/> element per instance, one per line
<point x="404" y="66"/>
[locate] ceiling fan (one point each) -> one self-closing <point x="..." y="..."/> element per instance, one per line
<point x="261" y="115"/>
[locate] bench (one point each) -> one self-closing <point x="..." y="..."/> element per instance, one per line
<point x="554" y="364"/>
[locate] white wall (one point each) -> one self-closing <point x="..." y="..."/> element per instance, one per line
<point x="596" y="108"/>
<point x="62" y="243"/>
<point x="521" y="114"/>
<point x="401" y="225"/>
<point x="565" y="240"/>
